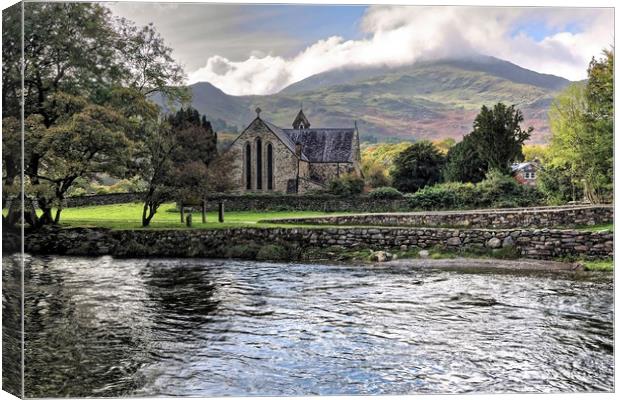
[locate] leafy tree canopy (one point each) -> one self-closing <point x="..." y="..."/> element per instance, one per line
<point x="464" y="164"/>
<point x="498" y="137"/>
<point x="417" y="166"/>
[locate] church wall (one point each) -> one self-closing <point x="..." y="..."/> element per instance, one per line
<point x="324" y="172"/>
<point x="284" y="165"/>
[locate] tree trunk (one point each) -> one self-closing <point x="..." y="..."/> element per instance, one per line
<point x="57" y="217"/>
<point x="152" y="210"/>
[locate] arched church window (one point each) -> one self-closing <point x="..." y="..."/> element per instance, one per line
<point x="269" y="167"/>
<point x="248" y="166"/>
<point x="259" y="164"/>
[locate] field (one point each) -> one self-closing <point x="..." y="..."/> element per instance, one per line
<point x="128" y="216"/>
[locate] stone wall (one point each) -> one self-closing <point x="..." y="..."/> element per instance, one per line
<point x="306" y="203"/>
<point x="532" y="243"/>
<point x="507" y="218"/>
<point x="103" y="199"/>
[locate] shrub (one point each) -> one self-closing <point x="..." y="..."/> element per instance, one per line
<point x="376" y="175"/>
<point x="497" y="191"/>
<point x="444" y="196"/>
<point x="385" y="192"/>
<point x="346" y="185"/>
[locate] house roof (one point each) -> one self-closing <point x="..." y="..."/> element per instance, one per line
<point x="524" y="165"/>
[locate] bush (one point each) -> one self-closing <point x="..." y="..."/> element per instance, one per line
<point x="444" y="196"/>
<point x="496" y="191"/>
<point x="346" y="185"/>
<point x="385" y="192"/>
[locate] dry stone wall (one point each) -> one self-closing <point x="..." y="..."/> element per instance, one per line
<point x="103" y="199"/>
<point x="507" y="218"/>
<point x="532" y="243"/>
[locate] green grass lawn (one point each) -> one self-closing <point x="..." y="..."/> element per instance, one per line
<point x="129" y="216"/>
<point x="599" y="265"/>
<point x="598" y="228"/>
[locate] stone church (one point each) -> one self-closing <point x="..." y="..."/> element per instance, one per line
<point x="273" y="159"/>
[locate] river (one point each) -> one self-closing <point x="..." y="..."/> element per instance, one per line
<point x="192" y="327"/>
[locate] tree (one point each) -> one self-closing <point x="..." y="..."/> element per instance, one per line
<point x="220" y="176"/>
<point x="498" y="137"/>
<point x="81" y="65"/>
<point x="444" y="145"/>
<point x="196" y="138"/>
<point x="417" y="166"/>
<point x="533" y="152"/>
<point x="156" y="168"/>
<point x="464" y="164"/>
<point x="581" y="120"/>
<point x="80" y="144"/>
<point x="174" y="161"/>
<point x="557" y="183"/>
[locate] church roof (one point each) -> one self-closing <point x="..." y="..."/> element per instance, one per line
<point x="324" y="144"/>
<point x="279" y="132"/>
<point x="318" y="144"/>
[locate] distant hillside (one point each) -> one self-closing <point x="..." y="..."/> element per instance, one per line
<point x="427" y="100"/>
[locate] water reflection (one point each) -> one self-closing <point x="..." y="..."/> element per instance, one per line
<point x="104" y="327"/>
<point x="11" y="325"/>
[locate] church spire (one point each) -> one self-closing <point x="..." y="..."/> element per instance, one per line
<point x="301" y="122"/>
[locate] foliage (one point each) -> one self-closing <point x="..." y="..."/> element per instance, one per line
<point x="444" y="145"/>
<point x="417" y="166"/>
<point x="156" y="168"/>
<point x="86" y="78"/>
<point x="220" y="176"/>
<point x="385" y="192"/>
<point x="376" y="175"/>
<point x="581" y="120"/>
<point x="196" y="140"/>
<point x="496" y="190"/>
<point x="532" y="152"/>
<point x="498" y="137"/>
<point x="557" y="183"/>
<point x="463" y="163"/>
<point x="382" y="155"/>
<point x="346" y="185"/>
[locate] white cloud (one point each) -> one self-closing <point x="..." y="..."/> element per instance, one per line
<point x="397" y="35"/>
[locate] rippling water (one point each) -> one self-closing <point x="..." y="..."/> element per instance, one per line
<point x="106" y="327"/>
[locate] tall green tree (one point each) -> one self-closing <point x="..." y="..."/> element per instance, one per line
<point x="417" y="166"/>
<point x="174" y="159"/>
<point x="464" y="164"/>
<point x="581" y="120"/>
<point x="498" y="137"/>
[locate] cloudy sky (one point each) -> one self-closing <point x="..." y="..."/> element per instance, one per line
<point x="260" y="49"/>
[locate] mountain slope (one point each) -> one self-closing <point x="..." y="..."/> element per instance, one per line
<point x="426" y="100"/>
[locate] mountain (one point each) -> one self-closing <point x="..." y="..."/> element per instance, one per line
<point x="426" y="100"/>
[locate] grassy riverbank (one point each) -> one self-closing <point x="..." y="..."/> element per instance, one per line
<point x="128" y="216"/>
<point x="598" y="265"/>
